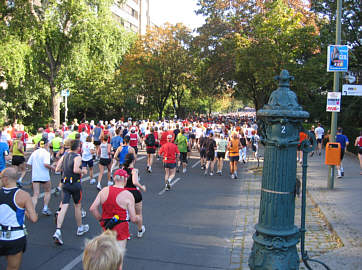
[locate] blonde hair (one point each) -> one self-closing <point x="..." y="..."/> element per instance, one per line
<point x="103" y="252"/>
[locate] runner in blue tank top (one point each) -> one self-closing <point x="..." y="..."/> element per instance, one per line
<point x="123" y="150"/>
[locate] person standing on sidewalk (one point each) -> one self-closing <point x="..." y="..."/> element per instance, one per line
<point x="343" y="140"/>
<point x="71" y="165"/>
<point x="40" y="162"/>
<point x="170" y="153"/>
<point x="15" y="204"/>
<point x="358" y="143"/>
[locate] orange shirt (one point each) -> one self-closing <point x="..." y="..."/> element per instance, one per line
<point x="302" y="136"/>
<point x="234" y="148"/>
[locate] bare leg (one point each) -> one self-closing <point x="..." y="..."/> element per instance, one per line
<point x="78" y="213"/>
<point x="138" y="207"/>
<point x="14" y="261"/>
<point x="47" y="189"/>
<point x="61" y="215"/>
<point x="36" y="190"/>
<point x="101" y="170"/>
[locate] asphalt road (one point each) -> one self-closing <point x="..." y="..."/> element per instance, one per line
<point x="189" y="227"/>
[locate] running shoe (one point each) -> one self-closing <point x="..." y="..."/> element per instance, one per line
<point x="342" y="173"/>
<point x="57" y="236"/>
<point x="168" y="186"/>
<point x="46" y="212"/>
<point x="211" y="173"/>
<point x="92" y="181"/>
<point x="84" y="213"/>
<point x="232" y="176"/>
<point x="235" y="176"/>
<point x="110" y="183"/>
<point x="19" y="184"/>
<point x="82" y="229"/>
<point x="140" y="233"/>
<point x="150" y="169"/>
<point x="184" y="170"/>
<point x="99" y="187"/>
<point x="177" y="169"/>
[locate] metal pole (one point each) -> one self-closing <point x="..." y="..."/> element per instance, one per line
<point x="66" y="109"/>
<point x="334" y="120"/>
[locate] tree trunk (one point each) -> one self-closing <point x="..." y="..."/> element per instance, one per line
<point x="55" y="106"/>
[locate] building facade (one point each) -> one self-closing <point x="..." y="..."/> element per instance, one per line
<point x="134" y="15"/>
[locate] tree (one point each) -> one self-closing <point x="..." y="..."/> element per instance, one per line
<point x="257" y="41"/>
<point x="160" y="65"/>
<point x="65" y="38"/>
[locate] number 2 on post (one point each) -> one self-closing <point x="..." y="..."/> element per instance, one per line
<point x="283" y="130"/>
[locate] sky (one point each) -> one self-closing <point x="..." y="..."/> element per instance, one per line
<point x="174" y="11"/>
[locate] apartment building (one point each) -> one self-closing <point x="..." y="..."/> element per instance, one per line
<point x="134" y="15"/>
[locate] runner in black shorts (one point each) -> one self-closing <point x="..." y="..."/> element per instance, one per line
<point x="71" y="163"/>
<point x="133" y="186"/>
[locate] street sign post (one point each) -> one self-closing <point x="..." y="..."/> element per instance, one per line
<point x="334" y="102"/>
<point x="351" y="90"/>
<point x="337" y="58"/>
<point x="65" y="94"/>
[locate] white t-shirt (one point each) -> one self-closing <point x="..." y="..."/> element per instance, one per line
<point x="37" y="160"/>
<point x="51" y="136"/>
<point x="86" y="151"/>
<point x="66" y="134"/>
<point x="83" y="136"/>
<point x="319" y="132"/>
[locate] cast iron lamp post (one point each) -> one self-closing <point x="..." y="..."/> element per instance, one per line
<point x="276" y="235"/>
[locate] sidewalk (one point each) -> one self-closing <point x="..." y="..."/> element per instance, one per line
<point x="342" y="209"/>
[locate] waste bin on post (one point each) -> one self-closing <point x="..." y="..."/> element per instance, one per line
<point x="333" y="153"/>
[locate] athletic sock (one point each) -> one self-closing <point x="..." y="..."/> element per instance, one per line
<point x="45" y="207"/>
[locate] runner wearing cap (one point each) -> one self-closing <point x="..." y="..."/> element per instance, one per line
<point x="118" y="207"/>
<point x="170" y="153"/>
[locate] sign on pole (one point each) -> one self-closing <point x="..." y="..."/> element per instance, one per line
<point x="334" y="102"/>
<point x="65" y="93"/>
<point x="352" y="90"/>
<point x="337" y="58"/>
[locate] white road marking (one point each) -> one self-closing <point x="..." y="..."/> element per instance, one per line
<point x="73" y="263"/>
<point x="171" y="184"/>
<point x="196" y="163"/>
<point x="140" y="158"/>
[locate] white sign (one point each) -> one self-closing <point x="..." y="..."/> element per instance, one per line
<point x="352" y="90"/>
<point x="334" y="102"/>
<point x="65" y="93"/>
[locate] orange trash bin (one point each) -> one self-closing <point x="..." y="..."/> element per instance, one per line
<point x="333" y="153"/>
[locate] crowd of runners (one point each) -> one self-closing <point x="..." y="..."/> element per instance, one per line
<point x="73" y="150"/>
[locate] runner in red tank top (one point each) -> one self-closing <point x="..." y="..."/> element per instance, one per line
<point x="115" y="200"/>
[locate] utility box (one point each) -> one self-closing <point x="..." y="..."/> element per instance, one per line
<point x="333" y="153"/>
